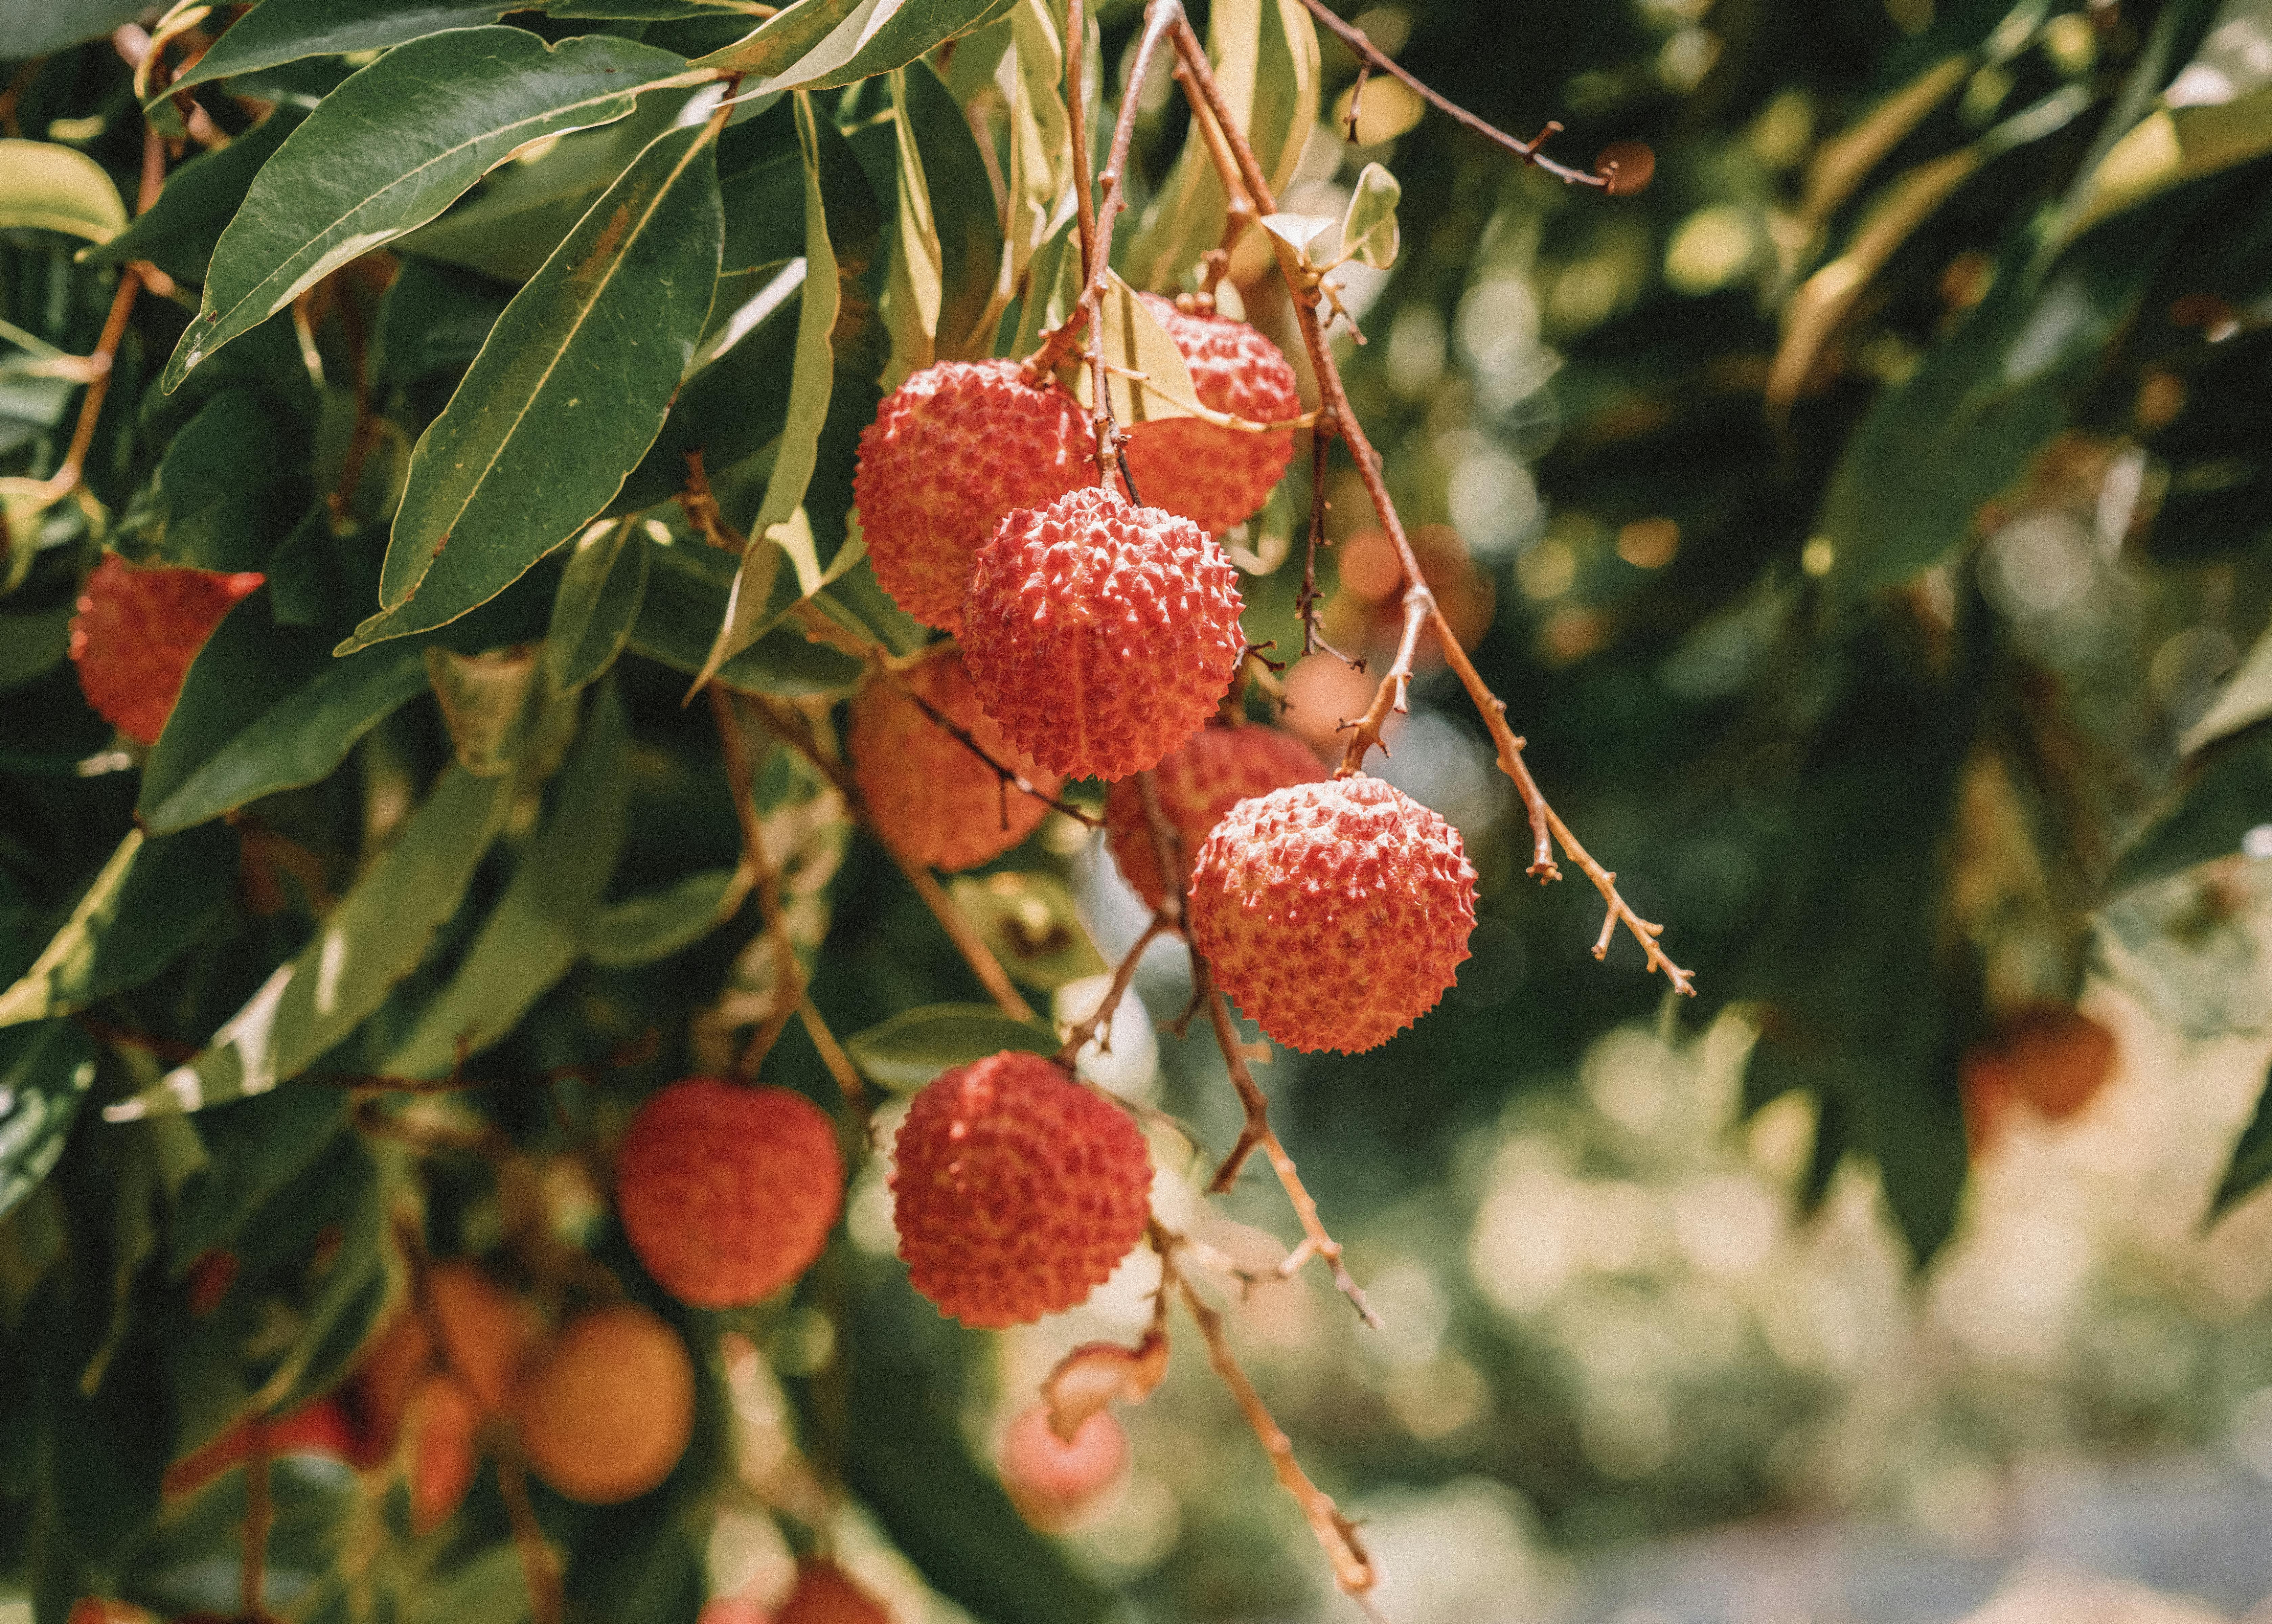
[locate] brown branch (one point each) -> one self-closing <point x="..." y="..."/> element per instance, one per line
<point x="839" y="1064"/>
<point x="1076" y="51"/>
<point x="1353" y="1569"/>
<point x="1258" y="1134"/>
<point x="365" y="431"/>
<point x="1395" y="684"/>
<point x="1334" y="400"/>
<point x="1305" y="602"/>
<point x="1371" y="56"/>
<point x="1084" y="1031"/>
<point x="757" y="866"/>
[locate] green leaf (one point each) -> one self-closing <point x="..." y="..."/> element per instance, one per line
<point x="761" y="185"/>
<point x="150" y="903"/>
<point x="816" y="44"/>
<point x="686" y="591"/>
<point x="391" y="148"/>
<point x="489" y="703"/>
<point x="373" y="938"/>
<point x="44" y="187"/>
<point x="33" y="643"/>
<point x="1028" y="919"/>
<point x="279" y="31"/>
<point x="914" y="1046"/>
<point x="1040" y="141"/>
<point x="831" y="396"/>
<point x="1151" y="381"/>
<point x="2228" y="794"/>
<point x="564" y="398"/>
<point x="537" y="929"/>
<point x="177" y="233"/>
<point x="654" y="924"/>
<point x="947" y="251"/>
<point x="599" y="599"/>
<point x="44" y="1071"/>
<point x="306" y="580"/>
<point x="436" y="319"/>
<point x="2166" y="149"/>
<point x="263" y="709"/>
<point x="2245" y="1170"/>
<point x="41" y="28"/>
<point x="1369" y="226"/>
<point x="233" y="484"/>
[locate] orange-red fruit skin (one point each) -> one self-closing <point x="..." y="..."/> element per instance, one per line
<point x="727" y="1193"/>
<point x="444" y="1451"/>
<point x="608" y="1411"/>
<point x="1215" y="769"/>
<point x="932" y="800"/>
<point x="488" y="1335"/>
<point x="1213" y="475"/>
<point x="824" y="1595"/>
<point x="952" y="450"/>
<point x="1100" y="635"/>
<point x="1334" y="913"/>
<point x="1057" y="1486"/>
<point x="136" y="631"/>
<point x="1016" y="1192"/>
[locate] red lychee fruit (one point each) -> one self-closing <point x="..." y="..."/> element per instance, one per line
<point x="826" y="1595"/>
<point x="1334" y="913"/>
<point x="1215" y="769"/>
<point x="136" y="631"/>
<point x="489" y="1337"/>
<point x="729" y="1193"/>
<point x="932" y="800"/>
<point x="445" y="1450"/>
<point x="1214" y="475"/>
<point x="1099" y="635"/>
<point x="608" y="1411"/>
<point x="1017" y="1192"/>
<point x="952" y="450"/>
<point x="1057" y="1486"/>
<point x="2053" y="1057"/>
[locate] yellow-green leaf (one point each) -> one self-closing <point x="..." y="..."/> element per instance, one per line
<point x="44" y="187"/>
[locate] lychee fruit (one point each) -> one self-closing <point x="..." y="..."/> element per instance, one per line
<point x="826" y="1595"/>
<point x="1334" y="913"/>
<point x="1057" y="1486"/>
<point x="952" y="450"/>
<point x="1016" y="1191"/>
<point x="136" y="631"/>
<point x="392" y="1370"/>
<point x="733" y="1610"/>
<point x="932" y="800"/>
<point x="1214" y="475"/>
<point x="2053" y="1057"/>
<point x="444" y="1451"/>
<point x="729" y="1193"/>
<point x="489" y="1336"/>
<point x="1100" y="635"/>
<point x="608" y="1411"/>
<point x="1214" y="770"/>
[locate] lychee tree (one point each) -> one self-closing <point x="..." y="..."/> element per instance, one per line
<point x="552" y="526"/>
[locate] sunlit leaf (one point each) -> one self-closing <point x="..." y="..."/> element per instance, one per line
<point x="1029" y="921"/>
<point x="1147" y="380"/>
<point x="44" y="1071"/>
<point x="44" y="187"/>
<point x="279" y="31"/>
<point x="913" y="1047"/>
<point x="816" y="44"/>
<point x="1369" y="226"/>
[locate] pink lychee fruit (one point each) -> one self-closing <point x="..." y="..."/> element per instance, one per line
<point x="1215" y="769"/>
<point x="1214" y="475"/>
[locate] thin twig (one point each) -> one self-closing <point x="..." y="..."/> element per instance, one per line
<point x="1305" y="602"/>
<point x="1371" y="57"/>
<point x="1393" y="693"/>
<point x="1334" y="400"/>
<point x="1353" y="1568"/>
<point x="1084" y="1031"/>
<point x="839" y="1063"/>
<point x="789" y="979"/>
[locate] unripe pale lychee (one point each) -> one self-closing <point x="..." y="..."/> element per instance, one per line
<point x="490" y="1336"/>
<point x="1213" y="475"/>
<point x="826" y="1595"/>
<point x="1334" y="913"/>
<point x="1215" y="769"/>
<point x="444" y="1451"/>
<point x="1016" y="1190"/>
<point x="608" y="1411"/>
<point x="952" y="450"/>
<point x="1055" y="1485"/>
<point x="727" y="1193"/>
<point x="136" y="631"/>
<point x="932" y="800"/>
<point x="1099" y="635"/>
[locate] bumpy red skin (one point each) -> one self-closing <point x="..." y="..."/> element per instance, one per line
<point x="952" y="450"/>
<point x="1334" y="913"/>
<point x="1100" y="635"/>
<point x="1215" y="770"/>
<point x="932" y="799"/>
<point x="136" y="631"/>
<point x="1213" y="475"/>
<point x="727" y="1193"/>
<point x="1016" y="1191"/>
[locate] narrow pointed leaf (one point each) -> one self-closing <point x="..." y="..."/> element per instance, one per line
<point x="280" y="31"/>
<point x="911" y="1048"/>
<point x="370" y="941"/>
<point x="816" y="44"/>
<point x="489" y="702"/>
<point x="2250" y="1163"/>
<point x="565" y="396"/>
<point x="177" y="233"/>
<point x="945" y="192"/>
<point x="44" y="1071"/>
<point x="392" y="147"/>
<point x="537" y="931"/>
<point x="653" y="924"/>
<point x="598" y="602"/>
<point x="1150" y="380"/>
<point x="44" y="187"/>
<point x="147" y="906"/>
<point x="833" y="395"/>
<point x="761" y="183"/>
